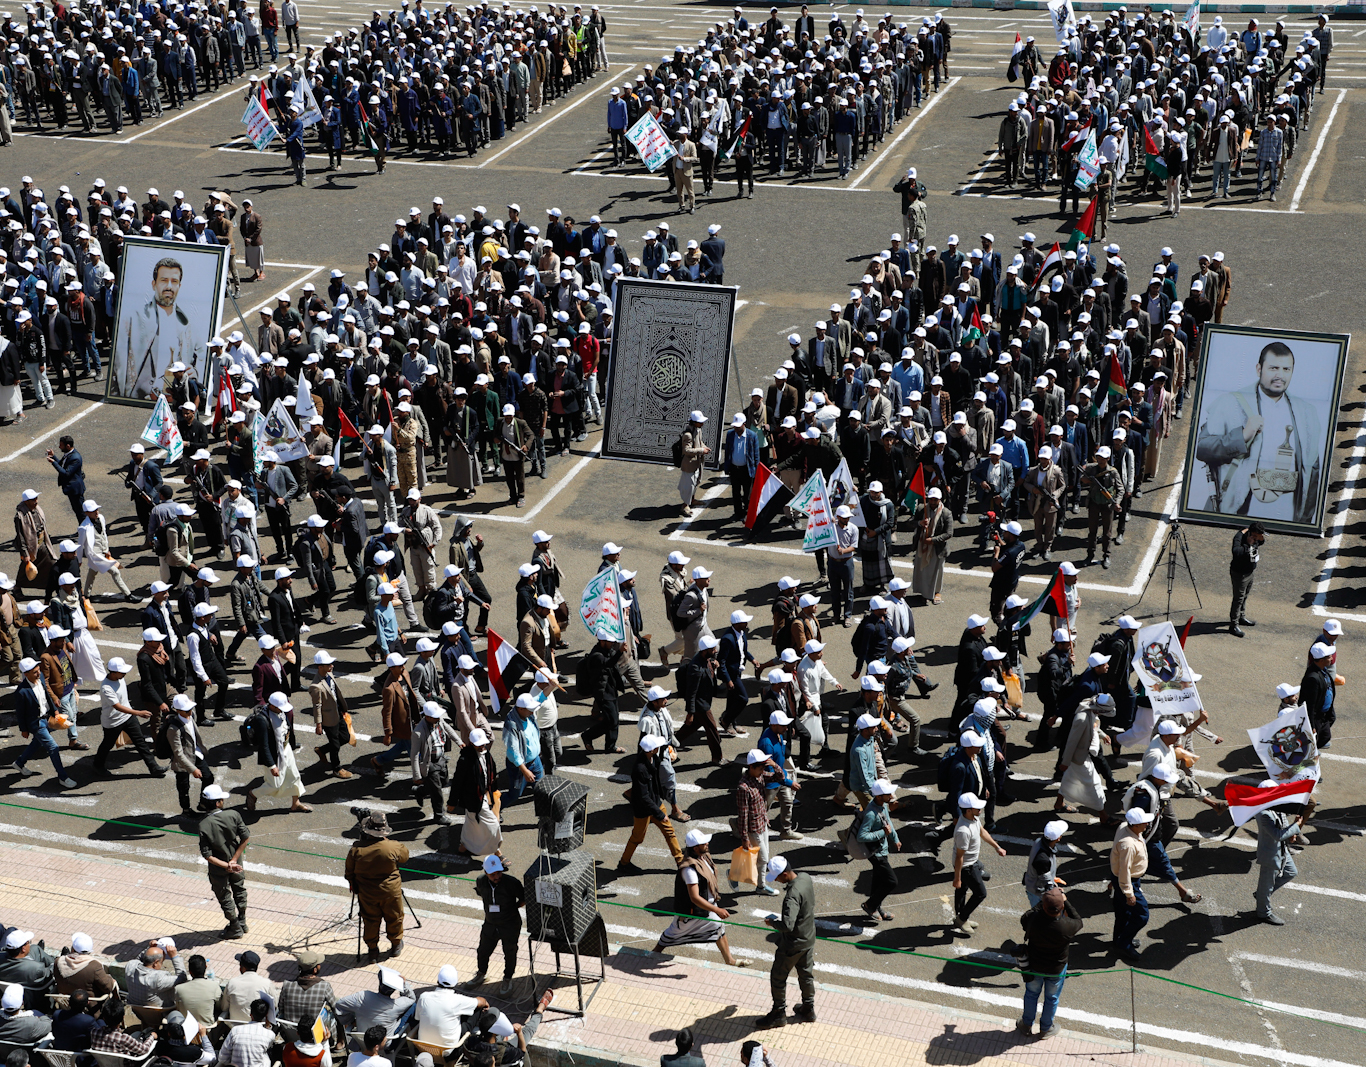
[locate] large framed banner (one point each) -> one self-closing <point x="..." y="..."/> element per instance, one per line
<point x="1263" y="428"/>
<point x="169" y="307"/>
<point x="671" y="351"/>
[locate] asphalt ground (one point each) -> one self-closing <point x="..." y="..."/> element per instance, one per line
<point x="792" y="250"/>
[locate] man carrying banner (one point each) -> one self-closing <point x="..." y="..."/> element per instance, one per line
<point x="1275" y="829"/>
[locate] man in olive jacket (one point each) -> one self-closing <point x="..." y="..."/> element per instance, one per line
<point x="796" y="926"/>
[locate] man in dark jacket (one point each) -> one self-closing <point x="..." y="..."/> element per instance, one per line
<point x="699" y="677"/>
<point x="969" y="667"/>
<point x="966" y="773"/>
<point x="647" y="801"/>
<point x="599" y="670"/>
<point x="502" y="895"/>
<point x="1318" y="693"/>
<point x="1247" y="545"/>
<point x="1050" y="927"/>
<point x="284" y="623"/>
<point x="1052" y="681"/>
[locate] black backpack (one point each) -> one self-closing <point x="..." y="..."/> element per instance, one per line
<point x="677" y="452"/>
<point x="161" y="744"/>
<point x="787" y="613"/>
<point x="586" y="677"/>
<point x="251" y="728"/>
<point x="943" y="778"/>
<point x="160" y="542"/>
<point x="681" y="623"/>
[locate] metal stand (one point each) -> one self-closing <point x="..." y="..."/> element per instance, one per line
<point x="1175" y="541"/>
<point x="595" y="935"/>
<point x="417" y="923"/>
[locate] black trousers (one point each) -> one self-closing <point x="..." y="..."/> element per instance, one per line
<point x="740" y="484"/>
<point x="182" y="783"/>
<point x="604" y="725"/>
<point x="509" y="935"/>
<point x="218" y="677"/>
<point x="133" y="728"/>
<point x="1242" y="586"/>
<point x="281" y="530"/>
<point x="973" y="883"/>
<point x="884" y="881"/>
<point x="333" y="739"/>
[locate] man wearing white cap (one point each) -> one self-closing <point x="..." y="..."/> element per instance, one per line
<point x="1045" y="484"/>
<point x="693" y="450"/>
<point x="795" y="923"/>
<point x="696" y="902"/>
<point x="874" y="832"/>
<point x="690" y="611"/>
<point x="673" y="579"/>
<point x="1318" y="692"/>
<point x="1153" y="793"/>
<point x="1104" y="500"/>
<point x="968" y="872"/>
<point x="1052" y="681"/>
<point x="32" y="707"/>
<point x="933" y="530"/>
<point x="275" y="753"/>
<point x="1005" y="567"/>
<point x="223" y="838"/>
<point x="1128" y="864"/>
<point x="1276" y="830"/>
<point x="1041" y="868"/>
<point x="432" y="736"/>
<point x="21" y="1028"/>
<point x="840" y="564"/>
<point x="740" y="455"/>
<point x="93" y="538"/>
<point x="648" y="804"/>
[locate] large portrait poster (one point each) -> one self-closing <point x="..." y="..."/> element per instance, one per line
<point x="1263" y="428"/>
<point x="170" y="303"/>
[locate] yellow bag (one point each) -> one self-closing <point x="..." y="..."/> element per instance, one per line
<point x="92" y="621"/>
<point x="744" y="866"/>
<point x="350" y="729"/>
<point x="1014" y="691"/>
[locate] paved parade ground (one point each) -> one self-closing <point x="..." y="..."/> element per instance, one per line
<point x="1217" y="984"/>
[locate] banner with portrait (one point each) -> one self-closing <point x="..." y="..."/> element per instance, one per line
<point x="170" y="300"/>
<point x="1287" y="746"/>
<point x="1160" y="663"/>
<point x="1263" y="429"/>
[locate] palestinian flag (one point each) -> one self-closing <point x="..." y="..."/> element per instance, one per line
<point x="1116" y="387"/>
<point x="1051" y="264"/>
<point x="739" y="135"/>
<point x="767" y="497"/>
<point x="370" y="145"/>
<point x="915" y="492"/>
<point x="1153" y="160"/>
<point x="1248" y="801"/>
<point x="974" y="330"/>
<point x="1013" y="71"/>
<point x="1085" y="229"/>
<point x="346" y="430"/>
<point x="1053" y="600"/>
<point x="505" y="666"/>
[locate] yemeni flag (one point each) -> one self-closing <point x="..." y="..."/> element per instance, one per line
<point x="225" y="403"/>
<point x="1053" y="600"/>
<point x="1246" y="802"/>
<point x="1013" y="71"/>
<point x="767" y="497"/>
<point x="346" y="430"/>
<point x="974" y="330"/>
<point x="505" y="666"/>
<point x="1085" y="228"/>
<point x="915" y="492"/>
<point x="1186" y="631"/>
<point x="744" y="129"/>
<point x="1153" y="160"/>
<point x="1076" y="138"/>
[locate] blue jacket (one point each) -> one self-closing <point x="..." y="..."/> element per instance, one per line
<point x="776" y="748"/>
<point x="616" y="114"/>
<point x="874" y="834"/>
<point x="751" y="450"/>
<point x="294" y="139"/>
<point x="862" y="764"/>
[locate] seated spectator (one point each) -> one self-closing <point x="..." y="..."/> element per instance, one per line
<point x="149" y="984"/>
<point x="248" y="1045"/>
<point x="304" y="1051"/>
<point x="173" y="1044"/>
<point x="441" y="1011"/>
<point x="19" y="1025"/>
<point x="305" y="996"/>
<point x="199" y="996"/>
<point x="79" y="968"/>
<point x="28" y="964"/>
<point x="373" y="1041"/>
<point x="241" y="991"/>
<point x="109" y="1034"/>
<point x="360" y="1011"/>
<point x="71" y="1025"/>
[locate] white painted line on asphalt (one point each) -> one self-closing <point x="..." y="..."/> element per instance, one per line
<point x="1318" y="149"/>
<point x="230" y="95"/>
<point x="565" y="479"/>
<point x="1334" y="755"/>
<point x="1105" y="1022"/>
<point x="1300" y="965"/>
<point x="48" y="433"/>
<point x="588" y="94"/>
<point x="620" y="779"/>
<point x="1324" y="891"/>
<point x="978" y="176"/>
<point x="872" y="167"/>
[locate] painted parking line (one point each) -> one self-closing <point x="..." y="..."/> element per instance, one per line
<point x="872" y="167"/>
<point x="1318" y="149"/>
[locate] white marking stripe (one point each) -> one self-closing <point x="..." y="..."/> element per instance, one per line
<point x="1318" y="148"/>
<point x="49" y="433"/>
<point x="869" y="170"/>
<point x="1324" y="891"/>
<point x="1299" y="965"/>
<point x="683" y="787"/>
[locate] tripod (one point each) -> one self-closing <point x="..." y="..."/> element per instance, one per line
<point x="1175" y="541"/>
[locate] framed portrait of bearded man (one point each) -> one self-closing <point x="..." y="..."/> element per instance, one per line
<point x="1264" y="427"/>
<point x="170" y="299"/>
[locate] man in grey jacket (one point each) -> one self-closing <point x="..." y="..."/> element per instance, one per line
<point x="1274" y="831"/>
<point x="149" y="984"/>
